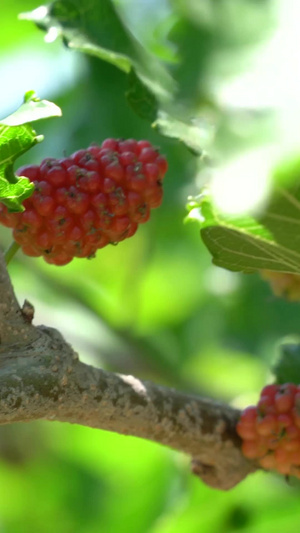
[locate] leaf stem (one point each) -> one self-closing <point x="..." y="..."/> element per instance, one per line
<point x="11" y="251"/>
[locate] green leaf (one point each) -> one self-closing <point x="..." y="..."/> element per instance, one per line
<point x="16" y="137"/>
<point x="287" y="370"/>
<point x="14" y="141"/>
<point x="142" y="100"/>
<point x="96" y="28"/>
<point x="146" y="104"/>
<point x="31" y="110"/>
<point x="193" y="136"/>
<point x="247" y="243"/>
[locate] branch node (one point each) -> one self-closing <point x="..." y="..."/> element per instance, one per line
<point x="27" y="311"/>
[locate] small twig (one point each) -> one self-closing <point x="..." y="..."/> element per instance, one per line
<point x="14" y="328"/>
<point x="11" y="251"/>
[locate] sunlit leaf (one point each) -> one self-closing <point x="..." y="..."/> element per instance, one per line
<point x="17" y="137"/>
<point x="14" y="141"/>
<point x="247" y="243"/>
<point x="31" y="110"/>
<point x="192" y="135"/>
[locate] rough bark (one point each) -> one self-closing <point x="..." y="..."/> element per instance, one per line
<point x="41" y="377"/>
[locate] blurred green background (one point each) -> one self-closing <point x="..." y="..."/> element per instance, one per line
<point x="166" y="313"/>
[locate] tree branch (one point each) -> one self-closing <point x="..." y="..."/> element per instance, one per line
<point x="15" y="328"/>
<point x="42" y="378"/>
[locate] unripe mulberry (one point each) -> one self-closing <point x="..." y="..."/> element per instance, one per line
<point x="90" y="199"/>
<point x="271" y="430"/>
<point x="283" y="284"/>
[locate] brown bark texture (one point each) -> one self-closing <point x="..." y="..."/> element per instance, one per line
<point x="41" y="377"/>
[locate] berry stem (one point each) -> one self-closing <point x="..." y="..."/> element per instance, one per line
<point x="11" y="251"/>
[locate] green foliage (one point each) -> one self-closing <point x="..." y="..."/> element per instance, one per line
<point x="93" y="27"/>
<point x="153" y="306"/>
<point x="96" y="28"/>
<point x="141" y="99"/>
<point x="16" y="138"/>
<point x="245" y="243"/>
<point x="14" y="190"/>
<point x="287" y="369"/>
<point x="32" y="109"/>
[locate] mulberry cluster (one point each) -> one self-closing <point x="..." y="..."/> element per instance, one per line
<point x="83" y="202"/>
<point x="271" y="430"/>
